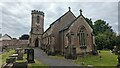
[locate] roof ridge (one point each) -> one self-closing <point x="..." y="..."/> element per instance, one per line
<point x="59" y="19"/>
<point x="8" y="35"/>
<point x="67" y="27"/>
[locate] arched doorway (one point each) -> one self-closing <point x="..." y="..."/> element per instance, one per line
<point x="37" y="42"/>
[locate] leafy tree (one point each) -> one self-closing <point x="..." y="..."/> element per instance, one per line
<point x="100" y="26"/>
<point x="24" y="37"/>
<point x="104" y="35"/>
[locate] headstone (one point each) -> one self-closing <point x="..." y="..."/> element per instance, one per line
<point x="10" y="60"/>
<point x="25" y="51"/>
<point x="20" y="56"/>
<point x="20" y="65"/>
<point x="30" y="56"/>
<point x="18" y="49"/>
<point x="94" y="52"/>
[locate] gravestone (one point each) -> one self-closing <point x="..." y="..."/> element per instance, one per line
<point x="94" y="52"/>
<point x="11" y="60"/>
<point x="30" y="56"/>
<point x="20" y="65"/>
<point x="18" y="49"/>
<point x="20" y="56"/>
<point x="25" y="51"/>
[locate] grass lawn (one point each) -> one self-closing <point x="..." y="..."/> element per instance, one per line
<point x="4" y="55"/>
<point x="107" y="59"/>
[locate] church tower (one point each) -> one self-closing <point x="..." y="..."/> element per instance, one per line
<point x="37" y="28"/>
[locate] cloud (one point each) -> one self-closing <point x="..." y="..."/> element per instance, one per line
<point x="16" y="16"/>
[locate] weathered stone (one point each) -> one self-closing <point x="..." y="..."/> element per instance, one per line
<point x="20" y="56"/>
<point x="25" y="51"/>
<point x="10" y="60"/>
<point x="20" y="65"/>
<point x="94" y="52"/>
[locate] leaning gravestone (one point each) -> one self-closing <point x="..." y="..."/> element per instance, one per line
<point x="10" y="60"/>
<point x="30" y="55"/>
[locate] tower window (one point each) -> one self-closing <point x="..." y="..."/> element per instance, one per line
<point x="38" y="18"/>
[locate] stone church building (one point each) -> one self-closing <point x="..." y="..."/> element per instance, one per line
<point x="66" y="35"/>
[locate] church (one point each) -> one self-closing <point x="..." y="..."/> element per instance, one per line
<point x="66" y="35"/>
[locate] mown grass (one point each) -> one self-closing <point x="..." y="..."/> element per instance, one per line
<point x="107" y="59"/>
<point x="5" y="55"/>
<point x="91" y="60"/>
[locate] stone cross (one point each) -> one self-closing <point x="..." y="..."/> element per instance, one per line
<point x="69" y="41"/>
<point x="80" y="11"/>
<point x="69" y="8"/>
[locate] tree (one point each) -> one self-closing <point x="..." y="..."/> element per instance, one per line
<point x="104" y="35"/>
<point x="100" y="26"/>
<point x="24" y="37"/>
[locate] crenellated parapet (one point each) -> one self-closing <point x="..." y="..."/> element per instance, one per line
<point x="37" y="12"/>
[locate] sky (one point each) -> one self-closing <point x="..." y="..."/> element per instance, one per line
<point x="15" y="17"/>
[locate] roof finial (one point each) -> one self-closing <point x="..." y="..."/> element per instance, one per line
<point x="80" y="11"/>
<point x="69" y="8"/>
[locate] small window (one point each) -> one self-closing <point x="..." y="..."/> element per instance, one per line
<point x="38" y="18"/>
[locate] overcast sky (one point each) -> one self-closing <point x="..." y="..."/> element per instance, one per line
<point x="16" y="16"/>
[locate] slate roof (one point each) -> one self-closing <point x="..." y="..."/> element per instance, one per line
<point x="58" y="19"/>
<point x="6" y="37"/>
<point x="67" y="27"/>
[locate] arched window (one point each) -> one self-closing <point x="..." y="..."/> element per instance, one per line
<point x="82" y="37"/>
<point x="38" y="18"/>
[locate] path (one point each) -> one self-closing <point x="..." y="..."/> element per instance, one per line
<point x="42" y="57"/>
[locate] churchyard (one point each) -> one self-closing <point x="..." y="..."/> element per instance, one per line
<point x="104" y="58"/>
<point x="5" y="58"/>
<point x="107" y="59"/>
